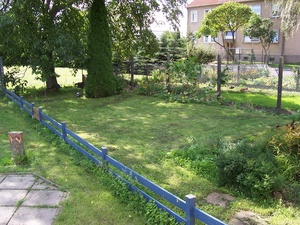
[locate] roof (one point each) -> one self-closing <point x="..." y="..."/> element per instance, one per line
<point x="197" y="3"/>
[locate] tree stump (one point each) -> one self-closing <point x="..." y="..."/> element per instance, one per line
<point x="17" y="147"/>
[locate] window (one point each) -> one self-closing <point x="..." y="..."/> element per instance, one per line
<point x="228" y="35"/>
<point x="275" y="11"/>
<point x="206" y="11"/>
<point x="209" y="39"/>
<point x="276" y="38"/>
<point x="194" y="16"/>
<point x="256" y="9"/>
<point x="248" y="39"/>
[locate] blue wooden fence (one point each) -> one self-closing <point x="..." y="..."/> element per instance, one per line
<point x="100" y="157"/>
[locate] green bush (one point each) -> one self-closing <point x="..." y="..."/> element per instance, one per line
<point x="250" y="168"/>
<point x="203" y="55"/>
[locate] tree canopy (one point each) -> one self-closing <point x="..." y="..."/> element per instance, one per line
<point x="42" y="34"/>
<point x="261" y="28"/>
<point x="289" y="13"/>
<point x="47" y="33"/>
<point x="228" y="17"/>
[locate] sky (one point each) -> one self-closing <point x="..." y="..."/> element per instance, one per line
<point x="158" y="29"/>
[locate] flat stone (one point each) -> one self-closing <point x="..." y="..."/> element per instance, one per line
<point x="247" y="218"/>
<point x="43" y="185"/>
<point x="220" y="199"/>
<point x="6" y="213"/>
<point x="33" y="216"/>
<point x="1" y="178"/>
<point x="11" y="197"/>
<point x="17" y="182"/>
<point x="43" y="198"/>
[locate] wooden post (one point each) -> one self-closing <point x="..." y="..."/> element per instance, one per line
<point x="190" y="204"/>
<point x="17" y="146"/>
<point x="297" y="79"/>
<point x="104" y="160"/>
<point x="219" y="77"/>
<point x="279" y="89"/>
<point x="132" y="72"/>
<point x="2" y="81"/>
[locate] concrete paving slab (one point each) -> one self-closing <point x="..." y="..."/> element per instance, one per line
<point x="27" y="199"/>
<point x="33" y="216"/>
<point x="6" y="213"/>
<point x="1" y="178"/>
<point x="11" y="197"/>
<point x="43" y="198"/>
<point x="18" y="182"/>
<point x="42" y="185"/>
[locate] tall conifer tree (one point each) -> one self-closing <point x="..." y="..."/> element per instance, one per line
<point x="100" y="80"/>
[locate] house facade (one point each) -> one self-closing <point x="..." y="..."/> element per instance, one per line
<point x="289" y="47"/>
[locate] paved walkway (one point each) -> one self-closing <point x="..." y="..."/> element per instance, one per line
<point x="27" y="199"/>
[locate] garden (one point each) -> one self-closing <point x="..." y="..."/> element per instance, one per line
<point x="179" y="135"/>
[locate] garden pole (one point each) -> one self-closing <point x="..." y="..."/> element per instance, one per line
<point x="2" y="82"/>
<point x="219" y="77"/>
<point x="297" y="79"/>
<point x="279" y="90"/>
<point x="131" y="72"/>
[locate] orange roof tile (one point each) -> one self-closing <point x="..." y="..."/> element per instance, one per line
<point x="197" y="3"/>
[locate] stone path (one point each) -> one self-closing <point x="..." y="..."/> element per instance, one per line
<point x="241" y="217"/>
<point x="27" y="199"/>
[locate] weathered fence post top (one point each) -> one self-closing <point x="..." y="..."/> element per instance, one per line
<point x="17" y="146"/>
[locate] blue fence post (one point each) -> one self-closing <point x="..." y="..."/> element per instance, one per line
<point x="63" y="130"/>
<point x="104" y="161"/>
<point x="40" y="114"/>
<point x="190" y="205"/>
<point x="32" y="110"/>
<point x="21" y="102"/>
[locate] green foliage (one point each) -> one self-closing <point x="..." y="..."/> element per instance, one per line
<point x="203" y="55"/>
<point x="172" y="46"/>
<point x="100" y="81"/>
<point x="289" y="14"/>
<point x="261" y="28"/>
<point x="263" y="168"/>
<point x="286" y="147"/>
<point x="150" y="87"/>
<point x="185" y="71"/>
<point x="249" y="168"/>
<point x="139" y="205"/>
<point x="199" y="158"/>
<point x="41" y="34"/>
<point x="13" y="80"/>
<point x="228" y="17"/>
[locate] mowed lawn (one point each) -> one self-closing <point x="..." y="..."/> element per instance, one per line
<point x="139" y="131"/>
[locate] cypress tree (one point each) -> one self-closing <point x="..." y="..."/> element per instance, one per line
<point x="100" y="80"/>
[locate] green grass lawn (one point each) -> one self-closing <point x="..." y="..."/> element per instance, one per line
<point x="90" y="200"/>
<point x="289" y="101"/>
<point x="140" y="132"/>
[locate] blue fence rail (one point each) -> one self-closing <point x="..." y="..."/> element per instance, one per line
<point x="101" y="157"/>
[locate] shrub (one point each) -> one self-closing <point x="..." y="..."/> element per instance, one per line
<point x="286" y="146"/>
<point x="249" y="168"/>
<point x="150" y="87"/>
<point x="202" y="55"/>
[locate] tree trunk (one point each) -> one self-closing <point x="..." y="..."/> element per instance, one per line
<point x="52" y="83"/>
<point x="49" y="72"/>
